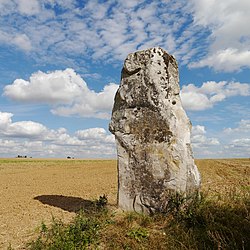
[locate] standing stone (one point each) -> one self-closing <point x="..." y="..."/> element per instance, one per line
<point x="152" y="133"/>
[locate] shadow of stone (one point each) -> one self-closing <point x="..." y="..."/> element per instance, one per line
<point x="67" y="203"/>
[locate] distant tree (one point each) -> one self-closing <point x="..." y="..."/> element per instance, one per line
<point x="22" y="156"/>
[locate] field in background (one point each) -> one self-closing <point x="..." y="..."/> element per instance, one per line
<point x="33" y="191"/>
<point x="221" y="177"/>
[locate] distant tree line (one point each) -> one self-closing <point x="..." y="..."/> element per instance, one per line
<point x="22" y="156"/>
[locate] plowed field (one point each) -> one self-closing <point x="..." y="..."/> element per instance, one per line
<point x="33" y="191"/>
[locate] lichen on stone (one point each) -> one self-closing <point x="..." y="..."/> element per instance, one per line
<point x="152" y="133"/>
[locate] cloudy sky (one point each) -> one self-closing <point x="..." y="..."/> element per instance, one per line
<point x="60" y="64"/>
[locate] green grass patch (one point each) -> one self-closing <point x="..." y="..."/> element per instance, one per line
<point x="203" y="223"/>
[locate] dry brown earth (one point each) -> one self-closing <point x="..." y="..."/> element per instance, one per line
<point x="32" y="191"/>
<point x="57" y="182"/>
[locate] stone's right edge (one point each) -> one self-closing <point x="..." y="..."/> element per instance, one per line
<point x="152" y="133"/>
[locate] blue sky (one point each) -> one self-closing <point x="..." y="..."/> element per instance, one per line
<point x="60" y="64"/>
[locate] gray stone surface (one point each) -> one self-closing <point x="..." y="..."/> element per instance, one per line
<point x="152" y="133"/>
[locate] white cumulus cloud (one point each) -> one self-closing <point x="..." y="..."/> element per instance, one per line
<point x="200" y="140"/>
<point x="243" y="142"/>
<point x="20" y="40"/>
<point x="230" y="35"/>
<point x="19" y="129"/>
<point x="238" y="147"/>
<point x="30" y="7"/>
<point x="198" y="130"/>
<point x="228" y="60"/>
<point x="200" y="98"/>
<point x="5" y="119"/>
<point x="25" y="128"/>
<point x="90" y="104"/>
<point x="243" y="127"/>
<point x="237" y="139"/>
<point x="53" y="87"/>
<point x="36" y="140"/>
<point x="65" y="91"/>
<point x="95" y="134"/>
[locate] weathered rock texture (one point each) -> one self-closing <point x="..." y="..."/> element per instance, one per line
<point x="152" y="133"/>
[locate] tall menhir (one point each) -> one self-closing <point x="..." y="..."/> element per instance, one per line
<point x="152" y="134"/>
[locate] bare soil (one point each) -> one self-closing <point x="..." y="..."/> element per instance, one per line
<point x="35" y="191"/>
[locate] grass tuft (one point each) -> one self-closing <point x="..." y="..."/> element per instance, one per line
<point x="204" y="223"/>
